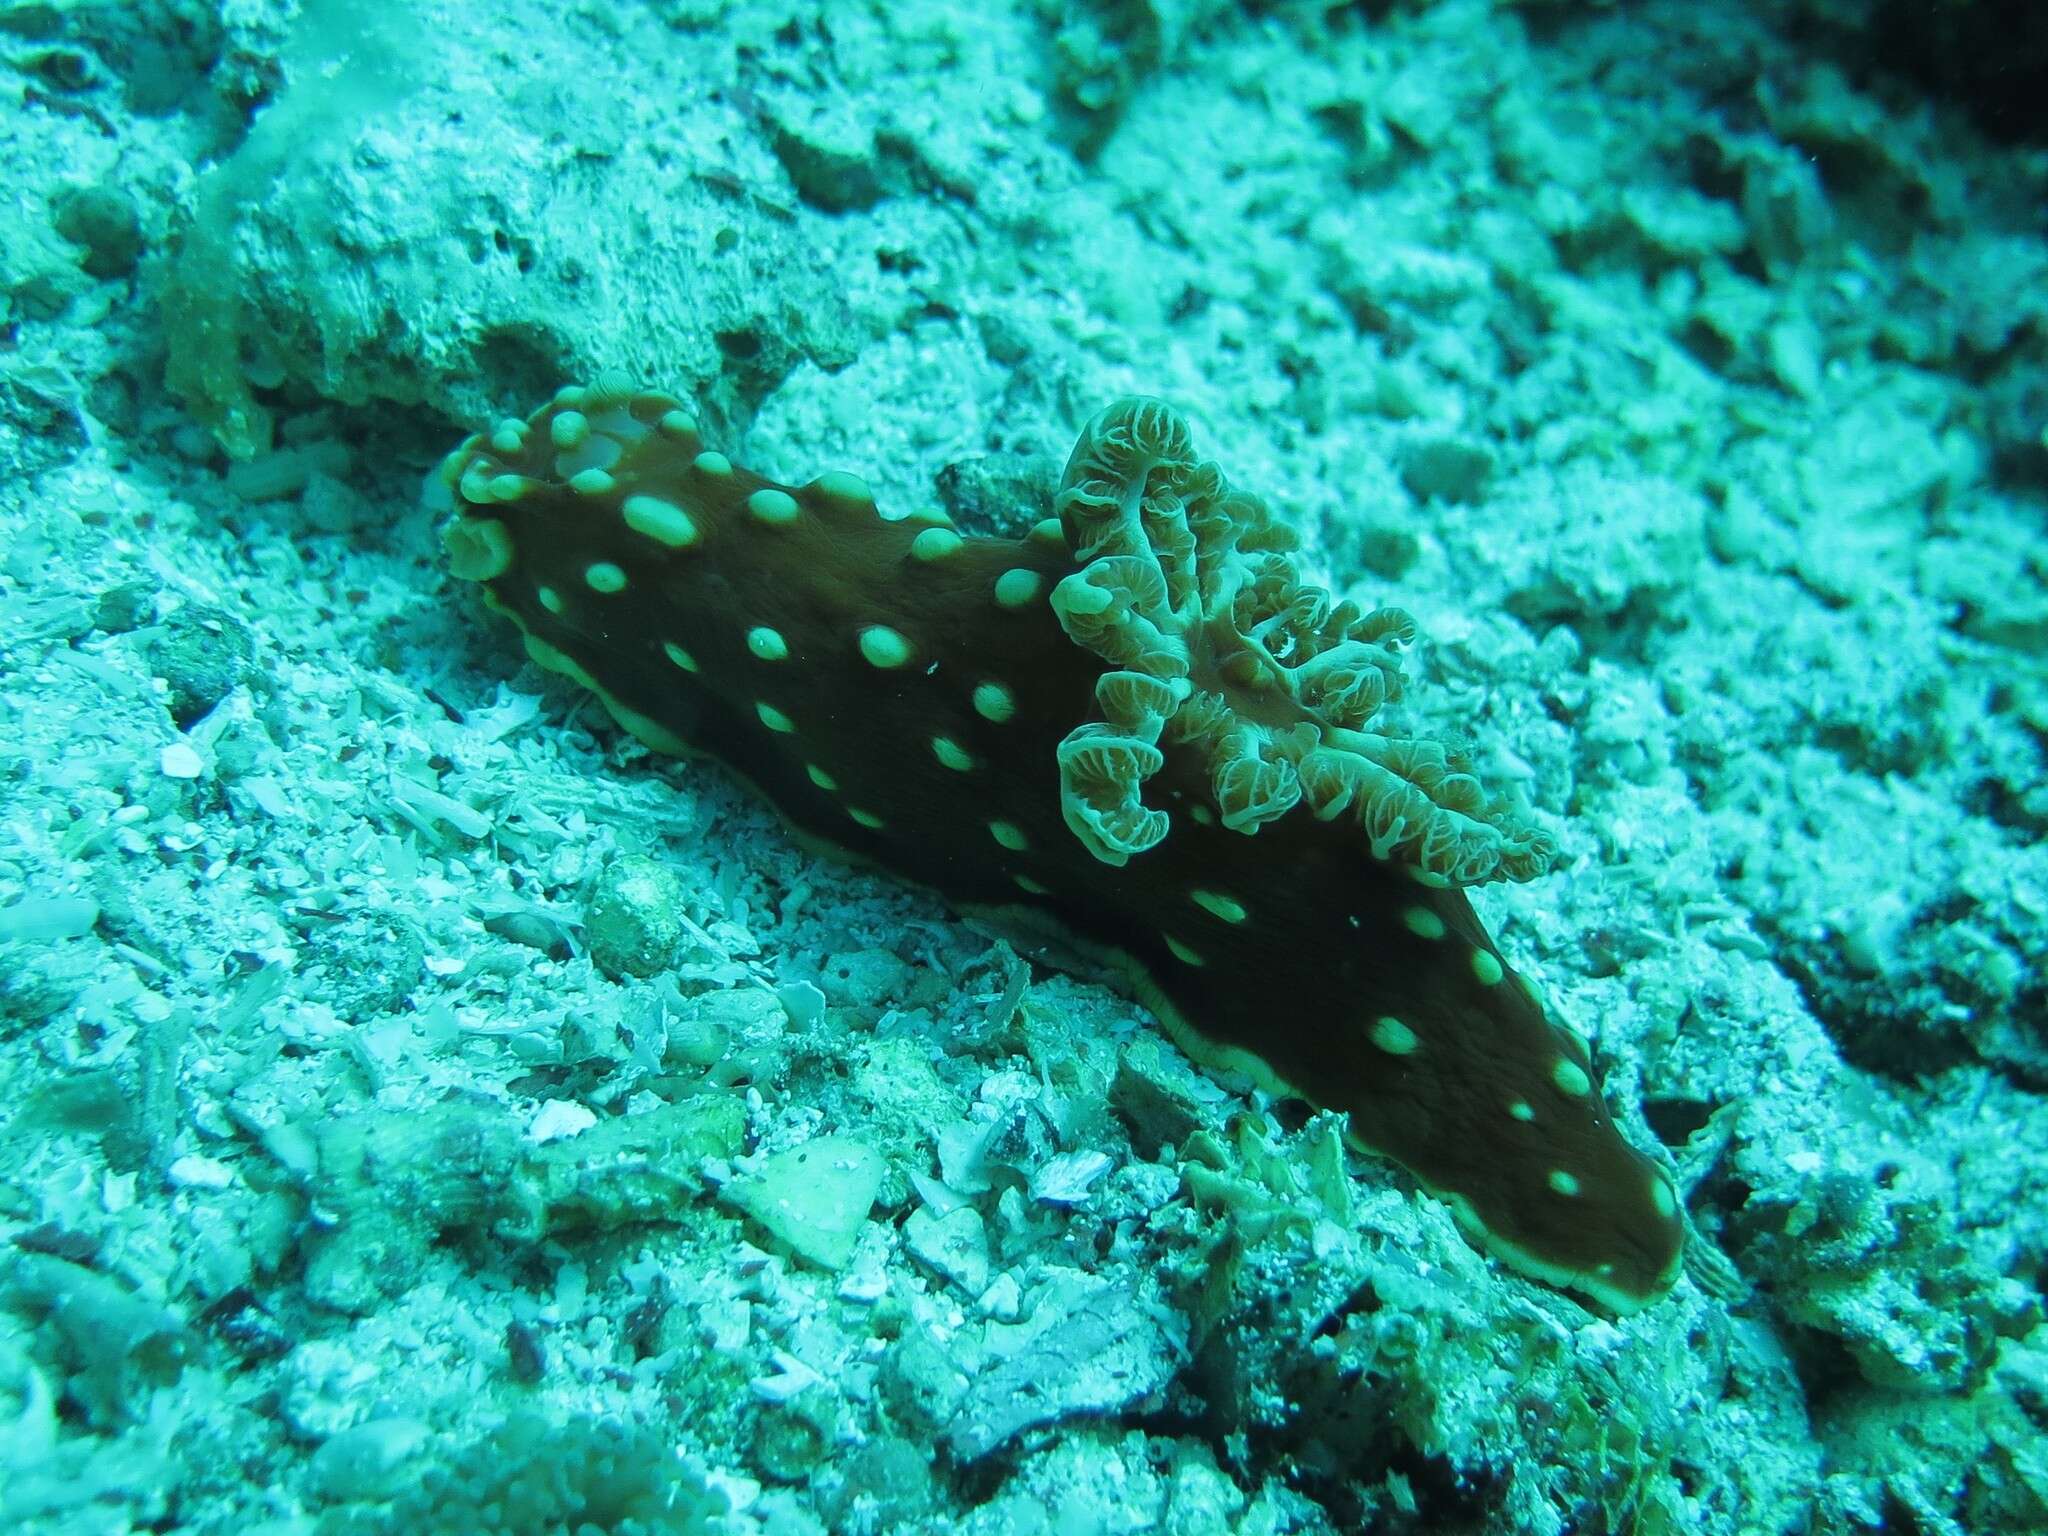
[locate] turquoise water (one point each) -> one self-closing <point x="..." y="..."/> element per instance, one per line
<point x="662" y="870"/>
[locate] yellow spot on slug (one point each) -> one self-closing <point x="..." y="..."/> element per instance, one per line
<point x="1486" y="967"/>
<point x="662" y="521"/>
<point x="1018" y="587"/>
<point x="592" y="482"/>
<point x="776" y="508"/>
<point x="1394" y="1037"/>
<point x="1423" y="923"/>
<point x="1225" y="907"/>
<point x="774" y="718"/>
<point x="1518" y="1109"/>
<point x="1010" y="835"/>
<point x="1571" y="1078"/>
<point x="711" y="463"/>
<point x="614" y="386"/>
<point x="994" y="703"/>
<point x="1562" y="1182"/>
<point x="951" y="754"/>
<point x="569" y="429"/>
<point x="821" y="778"/>
<point x="603" y="576"/>
<point x="883" y="646"/>
<point x="451" y="464"/>
<point x="1662" y="1196"/>
<point x="1180" y="951"/>
<point x="479" y="548"/>
<point x="867" y="819"/>
<point x="679" y="656"/>
<point x="935" y="544"/>
<point x="767" y="643"/>
<point x="549" y="599"/>
<point x="837" y="482"/>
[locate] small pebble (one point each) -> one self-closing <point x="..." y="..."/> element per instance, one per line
<point x="179" y="761"/>
<point x="194" y="1172"/>
<point x="558" y="1120"/>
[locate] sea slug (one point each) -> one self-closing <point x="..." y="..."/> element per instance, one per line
<point x="1137" y="726"/>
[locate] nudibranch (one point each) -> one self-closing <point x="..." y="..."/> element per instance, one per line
<point x="1137" y="726"/>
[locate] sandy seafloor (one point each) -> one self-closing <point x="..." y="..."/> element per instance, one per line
<point x="1681" y="369"/>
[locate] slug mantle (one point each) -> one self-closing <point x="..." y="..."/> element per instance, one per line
<point x="1138" y="724"/>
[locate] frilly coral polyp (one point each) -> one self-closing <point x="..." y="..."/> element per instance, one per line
<point x="1188" y="583"/>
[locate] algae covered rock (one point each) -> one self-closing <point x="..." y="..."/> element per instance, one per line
<point x="633" y="919"/>
<point x="596" y="1477"/>
<point x="390" y="1182"/>
<point x="202" y="653"/>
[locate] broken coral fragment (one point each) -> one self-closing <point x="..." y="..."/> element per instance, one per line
<point x="1138" y="725"/>
<point x="1087" y="1348"/>
<point x="814" y="1198"/>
